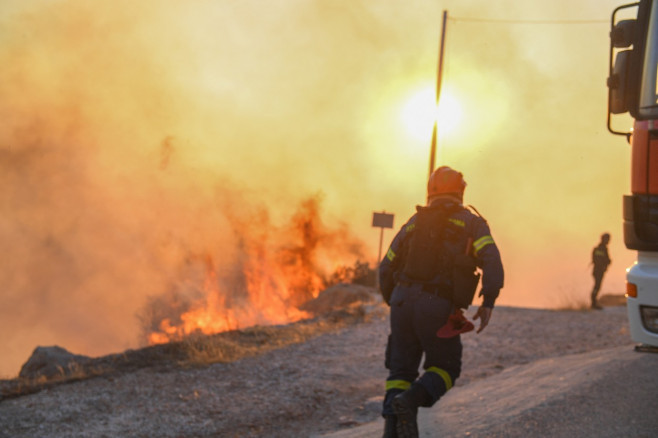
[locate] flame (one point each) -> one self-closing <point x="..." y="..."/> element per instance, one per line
<point x="273" y="279"/>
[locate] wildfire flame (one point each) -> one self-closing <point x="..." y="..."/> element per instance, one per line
<point x="273" y="279"/>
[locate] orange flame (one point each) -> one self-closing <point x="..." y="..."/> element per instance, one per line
<point x="273" y="280"/>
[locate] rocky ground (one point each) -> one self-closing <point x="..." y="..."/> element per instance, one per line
<point x="330" y="382"/>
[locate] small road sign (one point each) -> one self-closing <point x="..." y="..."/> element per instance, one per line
<point x="381" y="220"/>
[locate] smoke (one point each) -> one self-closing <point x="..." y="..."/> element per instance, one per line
<point x="539" y="161"/>
<point x="135" y="138"/>
<point x="139" y="139"/>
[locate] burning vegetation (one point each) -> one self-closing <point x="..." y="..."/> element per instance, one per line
<point x="273" y="271"/>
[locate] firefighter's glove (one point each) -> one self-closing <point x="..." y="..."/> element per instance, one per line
<point x="484" y="313"/>
<point x="457" y="324"/>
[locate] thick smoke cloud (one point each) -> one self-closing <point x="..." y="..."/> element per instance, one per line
<point x="133" y="134"/>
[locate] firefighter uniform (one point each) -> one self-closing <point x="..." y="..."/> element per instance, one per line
<point x="601" y="261"/>
<point x="420" y="308"/>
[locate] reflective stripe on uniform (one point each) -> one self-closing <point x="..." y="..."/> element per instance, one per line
<point x="397" y="384"/>
<point x="482" y="242"/>
<point x="457" y="222"/>
<point x="443" y="374"/>
<point x="409" y="227"/>
<point x="390" y="255"/>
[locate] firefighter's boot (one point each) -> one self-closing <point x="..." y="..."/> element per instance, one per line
<point x="405" y="406"/>
<point x="390" y="427"/>
<point x="595" y="304"/>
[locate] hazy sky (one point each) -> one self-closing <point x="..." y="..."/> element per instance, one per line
<point x="132" y="134"/>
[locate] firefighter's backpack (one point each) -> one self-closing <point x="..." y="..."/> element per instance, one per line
<point x="438" y="254"/>
<point x="424" y="260"/>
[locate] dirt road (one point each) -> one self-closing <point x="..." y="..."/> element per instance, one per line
<point x="605" y="393"/>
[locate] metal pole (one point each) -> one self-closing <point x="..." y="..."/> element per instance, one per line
<point x="381" y="238"/>
<point x="439" y="78"/>
<point x="379" y="257"/>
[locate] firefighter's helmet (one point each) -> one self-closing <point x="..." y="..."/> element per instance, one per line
<point x="444" y="181"/>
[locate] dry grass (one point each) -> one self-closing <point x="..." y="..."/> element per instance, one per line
<point x="23" y="385"/>
<point x="197" y="350"/>
<point x="232" y="346"/>
<point x="573" y="306"/>
<point x="612" y="300"/>
<point x="580" y="304"/>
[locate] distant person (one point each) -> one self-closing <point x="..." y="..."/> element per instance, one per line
<point x="600" y="262"/>
<point x="418" y="281"/>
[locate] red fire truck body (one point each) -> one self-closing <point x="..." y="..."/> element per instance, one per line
<point x="633" y="88"/>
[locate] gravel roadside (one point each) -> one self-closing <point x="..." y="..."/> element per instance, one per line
<point x="330" y="383"/>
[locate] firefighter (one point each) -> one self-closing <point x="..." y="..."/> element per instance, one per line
<point x="600" y="261"/>
<point x="417" y="282"/>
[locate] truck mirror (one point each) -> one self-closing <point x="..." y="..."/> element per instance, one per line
<point x="617" y="88"/>
<point x="622" y="34"/>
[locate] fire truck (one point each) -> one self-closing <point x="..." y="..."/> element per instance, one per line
<point x="633" y="88"/>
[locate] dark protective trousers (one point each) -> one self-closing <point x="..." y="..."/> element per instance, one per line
<point x="598" y="279"/>
<point x="416" y="316"/>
